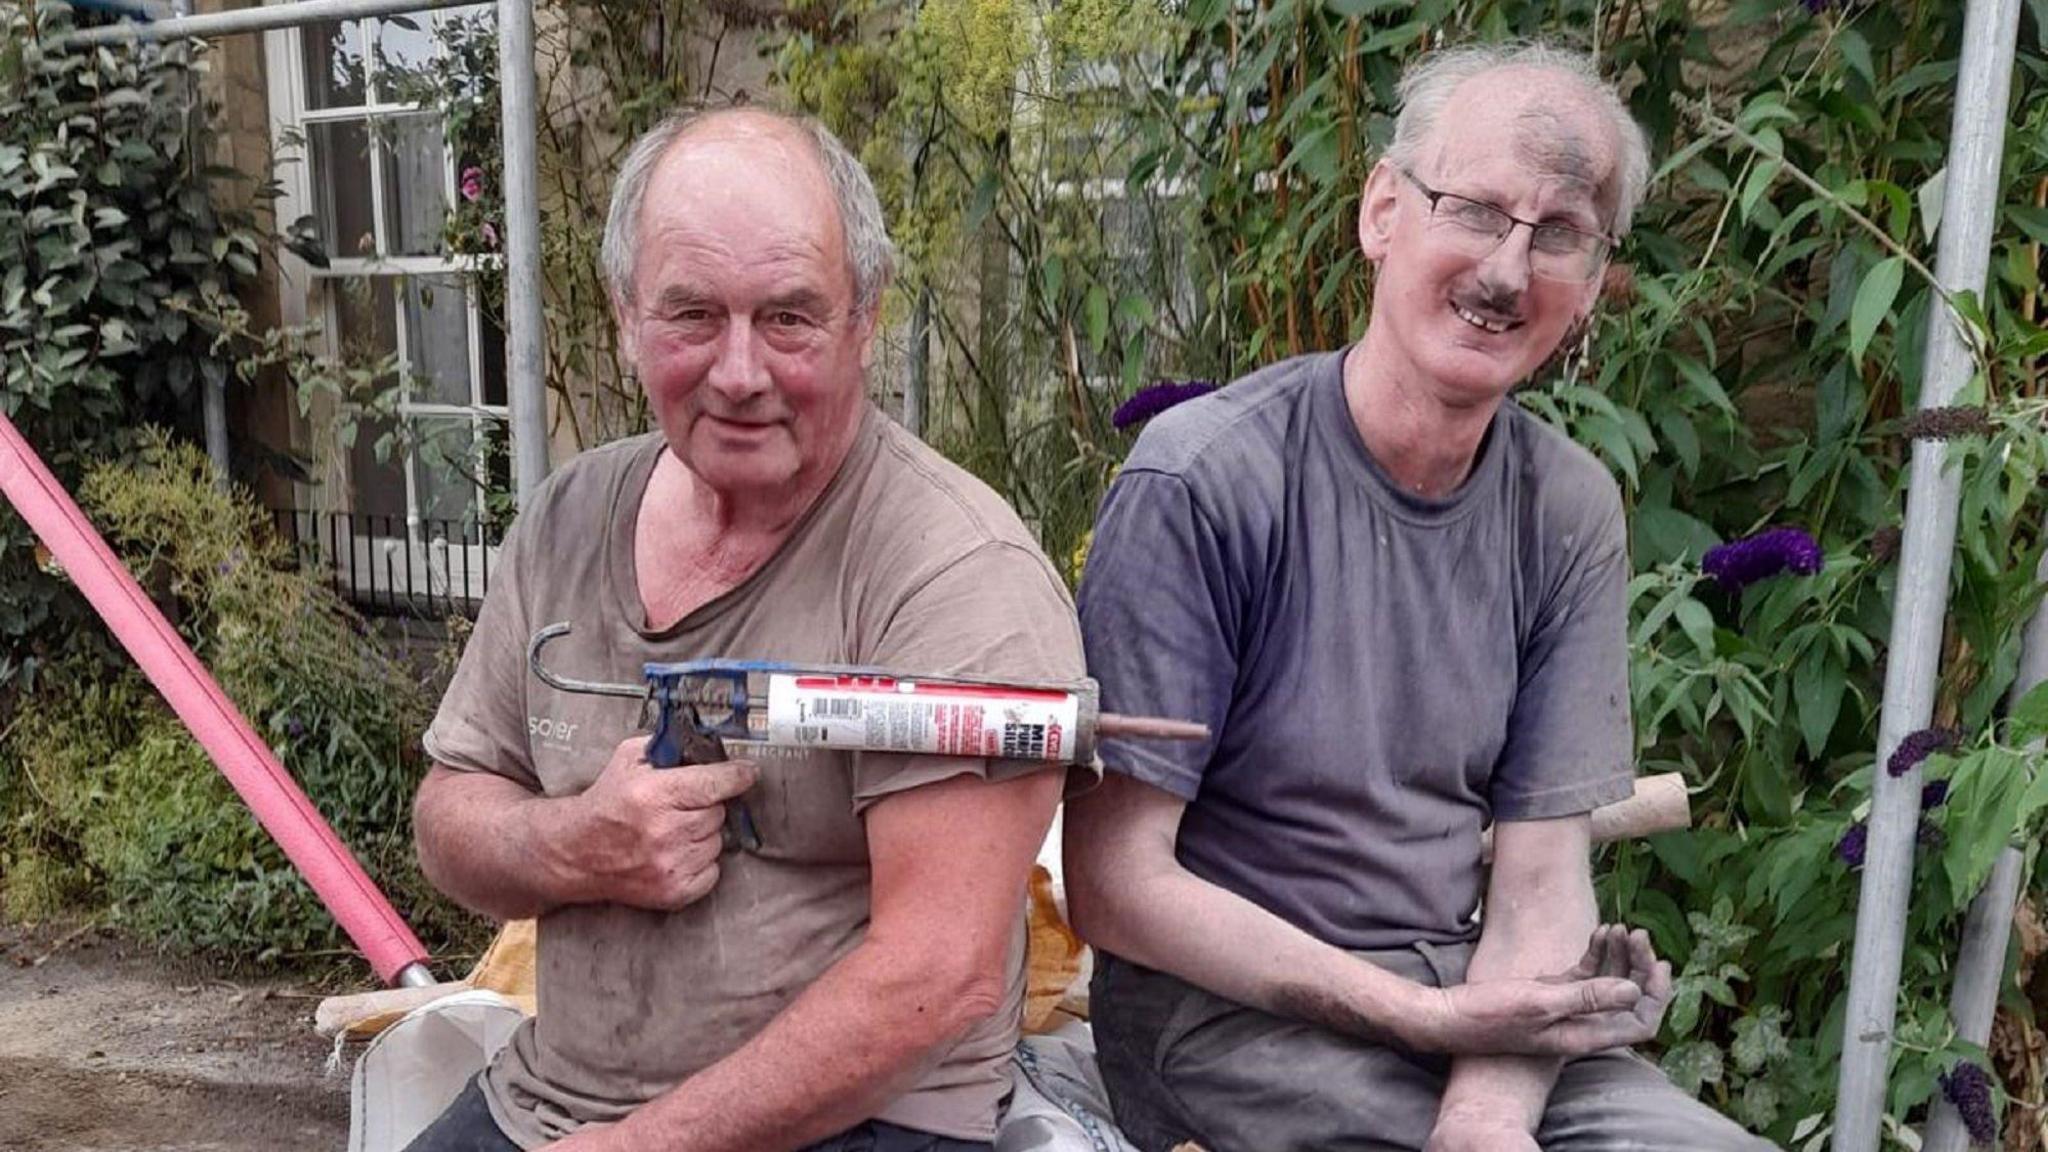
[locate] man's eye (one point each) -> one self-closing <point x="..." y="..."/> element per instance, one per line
<point x="788" y="319"/>
<point x="1561" y="240"/>
<point x="1467" y="214"/>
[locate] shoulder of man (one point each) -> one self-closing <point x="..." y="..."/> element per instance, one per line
<point x="585" y="483"/>
<point x="1246" y="422"/>
<point x="1561" y="476"/>
<point x="912" y="483"/>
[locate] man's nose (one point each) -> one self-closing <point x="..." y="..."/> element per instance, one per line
<point x="739" y="372"/>
<point x="1506" y="269"/>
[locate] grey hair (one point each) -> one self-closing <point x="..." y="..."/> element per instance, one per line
<point x="1426" y="86"/>
<point x="870" y="256"/>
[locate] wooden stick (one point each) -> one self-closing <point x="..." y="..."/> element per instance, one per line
<point x="1660" y="804"/>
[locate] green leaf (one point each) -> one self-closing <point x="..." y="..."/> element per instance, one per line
<point x="1873" y="301"/>
<point x="1757" y="184"/>
<point x="1818" y="685"/>
<point x="1095" y="314"/>
<point x="2029" y="715"/>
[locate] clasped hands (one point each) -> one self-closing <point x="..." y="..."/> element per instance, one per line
<point x="1613" y="997"/>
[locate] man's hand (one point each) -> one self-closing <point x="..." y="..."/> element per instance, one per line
<point x="1612" y="998"/>
<point x="650" y="837"/>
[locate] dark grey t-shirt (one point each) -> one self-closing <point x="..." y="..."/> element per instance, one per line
<point x="1381" y="674"/>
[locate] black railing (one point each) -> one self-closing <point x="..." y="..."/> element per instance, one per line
<point x="436" y="568"/>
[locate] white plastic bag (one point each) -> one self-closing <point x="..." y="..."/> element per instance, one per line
<point x="415" y="1068"/>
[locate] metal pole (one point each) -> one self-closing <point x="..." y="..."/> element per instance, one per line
<point x="1988" y="928"/>
<point x="920" y="364"/>
<point x="525" y="332"/>
<point x="1970" y="197"/>
<point x="262" y="18"/>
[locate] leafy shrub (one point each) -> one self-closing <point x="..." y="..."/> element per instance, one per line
<point x="118" y="805"/>
<point x="119" y="268"/>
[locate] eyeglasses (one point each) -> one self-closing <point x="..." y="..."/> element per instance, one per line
<point x="1476" y="228"/>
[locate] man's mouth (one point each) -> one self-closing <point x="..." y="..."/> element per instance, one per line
<point x="1496" y="327"/>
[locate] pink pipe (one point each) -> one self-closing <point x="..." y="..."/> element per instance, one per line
<point x="269" y="791"/>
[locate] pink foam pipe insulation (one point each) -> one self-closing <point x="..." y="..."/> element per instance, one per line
<point x="220" y="727"/>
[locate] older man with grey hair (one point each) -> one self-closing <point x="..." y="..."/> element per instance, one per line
<point x="1398" y="602"/>
<point x="854" y="982"/>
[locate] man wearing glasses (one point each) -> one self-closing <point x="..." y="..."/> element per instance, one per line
<point x="1397" y="600"/>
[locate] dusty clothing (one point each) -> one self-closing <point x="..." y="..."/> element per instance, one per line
<point x="1182" y="1064"/>
<point x="1381" y="674"/>
<point x="905" y="561"/>
<point x="467" y="1126"/>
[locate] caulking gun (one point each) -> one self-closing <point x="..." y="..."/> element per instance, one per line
<point x="697" y="705"/>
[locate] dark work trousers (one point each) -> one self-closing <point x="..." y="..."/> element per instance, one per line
<point x="1181" y="1064"/>
<point x="467" y="1126"/>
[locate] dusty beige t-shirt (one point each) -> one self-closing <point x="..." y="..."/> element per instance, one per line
<point x="905" y="561"/>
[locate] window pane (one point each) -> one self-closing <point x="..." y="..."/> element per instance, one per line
<point x="340" y="157"/>
<point x="333" y="54"/>
<point x="366" y="325"/>
<point x="493" y="359"/>
<point x="377" y="486"/>
<point x="414" y="198"/>
<point x="446" y="473"/>
<point x="437" y="339"/>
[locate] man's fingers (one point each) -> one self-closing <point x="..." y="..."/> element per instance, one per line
<point x="1600" y="994"/>
<point x="703" y="785"/>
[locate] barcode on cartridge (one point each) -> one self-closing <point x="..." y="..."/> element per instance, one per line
<point x="836" y="707"/>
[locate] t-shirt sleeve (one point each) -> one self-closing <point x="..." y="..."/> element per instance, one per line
<point x="1159" y="617"/>
<point x="998" y="612"/>
<point x="481" y="724"/>
<point x="1570" y="747"/>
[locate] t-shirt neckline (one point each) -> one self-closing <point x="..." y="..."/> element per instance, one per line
<point x="621" y="524"/>
<point x="1381" y="486"/>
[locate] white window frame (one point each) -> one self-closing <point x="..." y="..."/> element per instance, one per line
<point x="310" y="293"/>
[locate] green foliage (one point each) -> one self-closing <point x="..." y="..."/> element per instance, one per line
<point x="118" y="272"/>
<point x="113" y="803"/>
<point x="1131" y="195"/>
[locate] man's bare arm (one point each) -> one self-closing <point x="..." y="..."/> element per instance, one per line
<point x="1539" y="913"/>
<point x="1128" y="894"/>
<point x="638" y="835"/>
<point x="950" y="863"/>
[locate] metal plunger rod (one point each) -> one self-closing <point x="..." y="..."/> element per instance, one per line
<point x="1110" y="724"/>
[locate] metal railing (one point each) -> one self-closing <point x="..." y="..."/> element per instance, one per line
<point x="387" y="566"/>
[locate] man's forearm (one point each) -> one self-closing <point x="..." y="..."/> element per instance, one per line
<point x="484" y="842"/>
<point x="851" y="1043"/>
<point x="1526" y="932"/>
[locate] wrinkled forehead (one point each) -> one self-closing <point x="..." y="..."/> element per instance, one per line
<point x="1545" y="122"/>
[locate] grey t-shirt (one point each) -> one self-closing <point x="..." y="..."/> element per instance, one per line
<point x="1381" y="674"/>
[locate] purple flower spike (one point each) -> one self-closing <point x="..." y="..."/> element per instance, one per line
<point x="1918" y="746"/>
<point x="1934" y="795"/>
<point x="1738" y="564"/>
<point x="1968" y="1087"/>
<point x="1851" y="846"/>
<point x="1153" y="399"/>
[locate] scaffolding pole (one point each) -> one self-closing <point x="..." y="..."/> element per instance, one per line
<point x="260" y="19"/>
<point x="525" y="321"/>
<point x="1987" y="931"/>
<point x="1970" y="199"/>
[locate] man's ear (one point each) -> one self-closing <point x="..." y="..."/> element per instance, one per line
<point x="867" y="324"/>
<point x="1376" y="209"/>
<point x="629" y="332"/>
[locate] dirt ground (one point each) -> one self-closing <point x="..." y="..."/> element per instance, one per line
<point x="108" y="1048"/>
